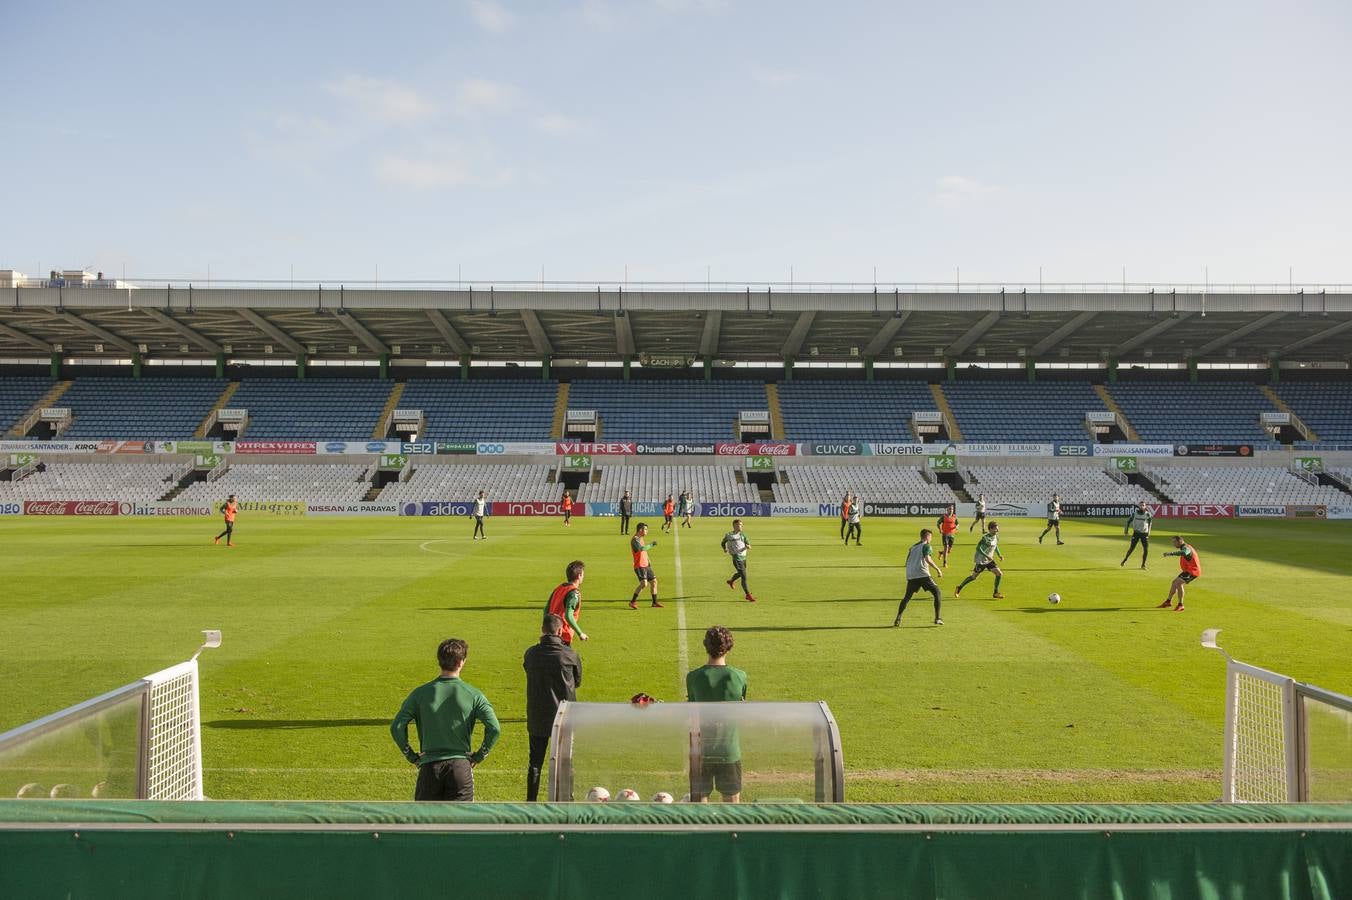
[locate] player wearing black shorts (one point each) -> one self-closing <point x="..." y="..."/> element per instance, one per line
<point x="639" y="546"/>
<point x="979" y="518"/>
<point x="626" y="510"/>
<point x="1053" y="519"/>
<point x="984" y="560"/>
<point x="919" y="562"/>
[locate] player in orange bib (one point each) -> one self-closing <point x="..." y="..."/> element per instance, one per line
<point x="948" y="526"/>
<point x="228" y="510"/>
<point x="1190" y="565"/>
<point x="846" y="505"/>
<point x="567" y="508"/>
<point x="668" y="514"/>
<point x="566" y="601"/>
<point x="639" y="546"/>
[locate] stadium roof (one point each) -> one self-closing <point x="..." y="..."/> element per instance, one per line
<point x="611" y="323"/>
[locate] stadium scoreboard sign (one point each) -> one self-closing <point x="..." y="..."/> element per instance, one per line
<point x="1214" y="450"/>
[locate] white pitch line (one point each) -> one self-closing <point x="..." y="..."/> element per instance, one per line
<point x="682" y="655"/>
<point x="423" y="547"/>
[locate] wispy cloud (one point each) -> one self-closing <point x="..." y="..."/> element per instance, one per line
<point x="772" y="77"/>
<point x="958" y="190"/>
<point x="482" y="95"/>
<point x="382" y="99"/>
<point x="559" y="124"/>
<point x="443" y="167"/>
<point x="600" y="14"/>
<point x="491" y="16"/>
<point x="687" y="6"/>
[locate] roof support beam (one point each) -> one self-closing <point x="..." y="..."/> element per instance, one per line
<point x="1060" y="334"/>
<point x="537" y="333"/>
<point x="272" y="331"/>
<point x="182" y="330"/>
<point x="1315" y="338"/>
<point x="102" y="334"/>
<point x="28" y="339"/>
<point x="972" y="335"/>
<point x="624" y="335"/>
<point x="886" y="334"/>
<point x="363" y="334"/>
<point x="1149" y="334"/>
<point x="447" y="331"/>
<point x="713" y="326"/>
<point x="794" y="343"/>
<point x="1243" y="331"/>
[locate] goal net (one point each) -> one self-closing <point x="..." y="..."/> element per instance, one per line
<point x="140" y="741"/>
<point x="1285" y="741"/>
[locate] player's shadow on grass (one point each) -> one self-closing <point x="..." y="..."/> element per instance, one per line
<point x="1039" y="610"/>
<point x="1103" y="568"/>
<point x="476" y="608"/>
<point x="775" y="628"/>
<point x="850" y="566"/>
<point x="292" y="724"/>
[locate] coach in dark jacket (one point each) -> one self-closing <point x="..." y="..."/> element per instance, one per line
<point x="553" y="673"/>
<point x="626" y="510"/>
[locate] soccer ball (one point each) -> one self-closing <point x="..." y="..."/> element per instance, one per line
<point x="663" y="797"/>
<point x="628" y="794"/>
<point x="598" y="794"/>
<point x="1053" y="598"/>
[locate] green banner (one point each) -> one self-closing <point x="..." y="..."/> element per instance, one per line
<point x="946" y="462"/>
<point x="22" y="459"/>
<point x="760" y="462"/>
<point x="206" y="447"/>
<point x="208" y="460"/>
<point x="577" y="461"/>
<point x="1124" y="463"/>
<point x="392" y="461"/>
<point x="456" y="448"/>
<point x="1310" y="463"/>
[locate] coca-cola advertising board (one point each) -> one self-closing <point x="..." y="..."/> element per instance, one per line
<point x="774" y="448"/>
<point x="71" y="508"/>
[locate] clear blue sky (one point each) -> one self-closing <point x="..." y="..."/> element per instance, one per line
<point x="493" y="137"/>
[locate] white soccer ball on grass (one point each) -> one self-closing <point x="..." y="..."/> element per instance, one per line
<point x="1053" y="598"/>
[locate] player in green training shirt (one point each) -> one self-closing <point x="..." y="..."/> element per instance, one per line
<point x="719" y="766"/>
<point x="1138" y="523"/>
<point x="445" y="711"/>
<point x="735" y="545"/>
<point x="987" y="552"/>
<point x="1053" y="519"/>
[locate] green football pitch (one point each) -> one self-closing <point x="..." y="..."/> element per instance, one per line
<point x="330" y="622"/>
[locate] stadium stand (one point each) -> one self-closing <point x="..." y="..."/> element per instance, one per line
<point x="663" y="410"/>
<point x="1198" y="413"/>
<point x="1248" y="485"/>
<point x="323" y="409"/>
<point x="851" y="410"/>
<point x="96" y="481"/>
<point x="315" y="483"/>
<point x="882" y="484"/>
<point x="132" y="408"/>
<point x="17" y="396"/>
<point x="1009" y="411"/>
<point x="1325" y="406"/>
<point x="709" y="484"/>
<point x="1036" y="484"/>
<point x="434" y="481"/>
<point x="499" y="409"/>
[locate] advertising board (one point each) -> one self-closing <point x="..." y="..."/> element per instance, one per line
<point x="733" y="509"/>
<point x="1132" y="449"/>
<point x="534" y="508"/>
<point x="71" y="508"/>
<point x="895" y="449"/>
<point x="1213" y="450"/>
<point x="444" y="508"/>
<point x="803" y="510"/>
<point x="1192" y="510"/>
<point x="904" y="509"/>
<point x="610" y="448"/>
<point x="353" y="509"/>
<point x="769" y="448"/>
<point x="289" y="448"/>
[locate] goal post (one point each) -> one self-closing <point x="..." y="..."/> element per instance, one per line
<point x="1285" y="741"/>
<point x="140" y="741"/>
